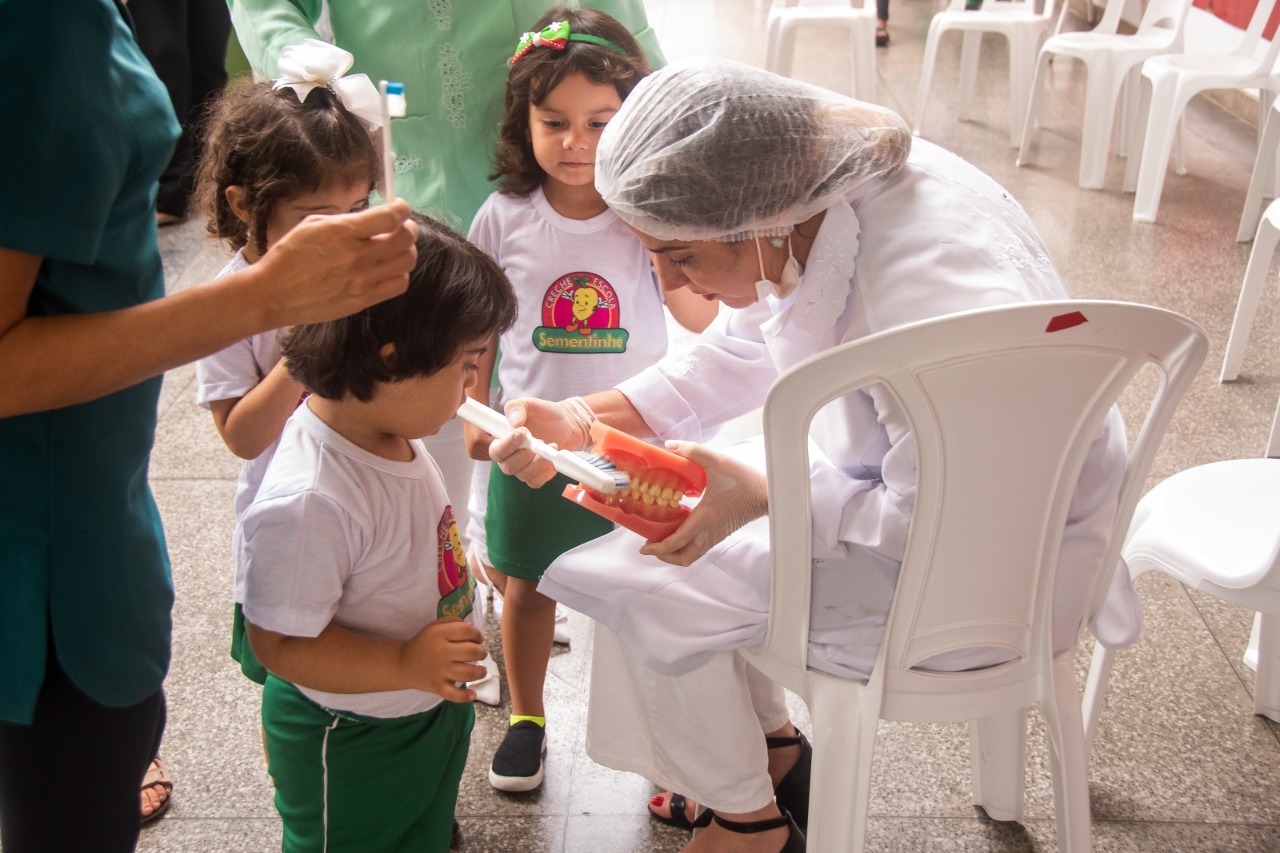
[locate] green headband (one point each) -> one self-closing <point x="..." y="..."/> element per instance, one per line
<point x="555" y="36"/>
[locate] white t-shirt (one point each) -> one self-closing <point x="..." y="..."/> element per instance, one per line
<point x="340" y="535"/>
<point x="590" y="309"/>
<point x="230" y="374"/>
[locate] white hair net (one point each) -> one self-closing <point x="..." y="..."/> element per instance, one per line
<point x="710" y="149"/>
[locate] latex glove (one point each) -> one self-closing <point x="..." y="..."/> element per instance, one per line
<point x="565" y="424"/>
<point x="736" y="494"/>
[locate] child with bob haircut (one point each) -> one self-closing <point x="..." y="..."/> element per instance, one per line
<point x="270" y="159"/>
<point x="358" y="597"/>
<point x="591" y="314"/>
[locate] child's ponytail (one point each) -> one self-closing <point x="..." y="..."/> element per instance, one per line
<point x="275" y="147"/>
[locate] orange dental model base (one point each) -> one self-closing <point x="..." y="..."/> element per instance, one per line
<point x="650" y="505"/>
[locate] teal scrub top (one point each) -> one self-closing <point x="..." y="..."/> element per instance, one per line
<point x="88" y="130"/>
<point x="452" y="59"/>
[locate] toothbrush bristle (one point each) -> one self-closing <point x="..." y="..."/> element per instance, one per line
<point x="620" y="478"/>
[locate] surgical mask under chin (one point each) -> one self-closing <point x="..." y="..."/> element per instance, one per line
<point x="790" y="275"/>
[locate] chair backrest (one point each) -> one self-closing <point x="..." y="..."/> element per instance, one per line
<point x="1109" y="24"/>
<point x="791" y="4"/>
<point x="1167" y="17"/>
<point x="1003" y="405"/>
<point x="1029" y="8"/>
<point x="1253" y="34"/>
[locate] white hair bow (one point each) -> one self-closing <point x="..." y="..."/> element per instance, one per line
<point x="314" y="63"/>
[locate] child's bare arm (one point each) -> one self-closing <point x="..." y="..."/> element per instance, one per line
<point x="477" y="439"/>
<point x="436" y="659"/>
<point x="250" y="423"/>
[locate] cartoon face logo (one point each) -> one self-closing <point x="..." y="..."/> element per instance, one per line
<point x="580" y="314"/>
<point x="585" y="300"/>
<point x="454" y="580"/>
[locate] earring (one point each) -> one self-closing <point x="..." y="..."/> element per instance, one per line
<point x="777" y="242"/>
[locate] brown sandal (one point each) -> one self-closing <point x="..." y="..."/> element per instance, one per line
<point x="157" y="774"/>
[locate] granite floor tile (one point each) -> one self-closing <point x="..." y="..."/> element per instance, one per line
<point x="172" y="834"/>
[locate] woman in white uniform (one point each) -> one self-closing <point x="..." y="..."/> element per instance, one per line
<point x="817" y="220"/>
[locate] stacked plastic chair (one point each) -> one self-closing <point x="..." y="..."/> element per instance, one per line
<point x="1024" y="27"/>
<point x="1173" y="80"/>
<point x="786" y="16"/>
<point x="1113" y="63"/>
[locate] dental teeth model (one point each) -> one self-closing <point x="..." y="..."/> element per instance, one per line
<point x="650" y="503"/>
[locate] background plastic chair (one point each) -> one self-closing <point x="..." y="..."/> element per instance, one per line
<point x="1174" y="79"/>
<point x="1255" y="281"/>
<point x="1112" y="63"/>
<point x="984" y="537"/>
<point x="1216" y="528"/>
<point x="1262" y="181"/>
<point x="1019" y="22"/>
<point x="785" y="16"/>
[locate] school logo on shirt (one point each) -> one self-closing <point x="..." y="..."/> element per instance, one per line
<point x="456" y="583"/>
<point x="580" y="314"/>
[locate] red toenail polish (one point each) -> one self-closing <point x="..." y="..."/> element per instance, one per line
<point x="656" y="802"/>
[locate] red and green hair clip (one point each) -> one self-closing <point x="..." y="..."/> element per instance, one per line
<point x="556" y="36"/>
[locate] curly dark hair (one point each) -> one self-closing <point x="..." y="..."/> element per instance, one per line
<point x="541" y="70"/>
<point x="456" y="295"/>
<point x="275" y="147"/>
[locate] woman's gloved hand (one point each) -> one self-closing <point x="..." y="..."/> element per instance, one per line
<point x="566" y="424"/>
<point x="736" y="494"/>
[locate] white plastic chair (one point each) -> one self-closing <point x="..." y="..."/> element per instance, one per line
<point x="1261" y="182"/>
<point x="1003" y="405"/>
<point x="1112" y="64"/>
<point x="785" y="16"/>
<point x="1255" y="281"/>
<point x="1216" y="528"/>
<point x="1173" y="80"/>
<point x="1019" y="22"/>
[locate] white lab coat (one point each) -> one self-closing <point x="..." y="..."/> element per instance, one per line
<point x="937" y="238"/>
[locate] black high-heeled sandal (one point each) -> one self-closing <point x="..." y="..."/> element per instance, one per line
<point x="795" y="838"/>
<point x="792" y="792"/>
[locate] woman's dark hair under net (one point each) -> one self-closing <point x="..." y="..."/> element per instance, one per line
<point x="456" y="295"/>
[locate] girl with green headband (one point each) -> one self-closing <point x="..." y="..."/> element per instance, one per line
<point x="591" y="313"/>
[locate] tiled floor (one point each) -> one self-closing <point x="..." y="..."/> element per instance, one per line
<point x="1181" y="763"/>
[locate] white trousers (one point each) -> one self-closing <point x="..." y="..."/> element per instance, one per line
<point x="701" y="733"/>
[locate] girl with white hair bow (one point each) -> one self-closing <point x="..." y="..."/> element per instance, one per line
<point x="817" y="221"/>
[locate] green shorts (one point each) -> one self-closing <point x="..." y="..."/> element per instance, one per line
<point x="526" y="529"/>
<point x="346" y="783"/>
<point x="241" y="651"/>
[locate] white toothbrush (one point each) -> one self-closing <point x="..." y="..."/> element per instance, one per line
<point x="598" y="474"/>
<point x="393" y="105"/>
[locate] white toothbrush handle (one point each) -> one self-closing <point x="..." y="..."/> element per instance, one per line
<point x="388" y="156"/>
<point x="478" y="414"/>
<point x="566" y="462"/>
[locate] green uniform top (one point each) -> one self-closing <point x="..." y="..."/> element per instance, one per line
<point x="452" y="58"/>
<point x="88" y="131"/>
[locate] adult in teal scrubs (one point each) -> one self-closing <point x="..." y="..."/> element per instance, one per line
<point x="85" y="590"/>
